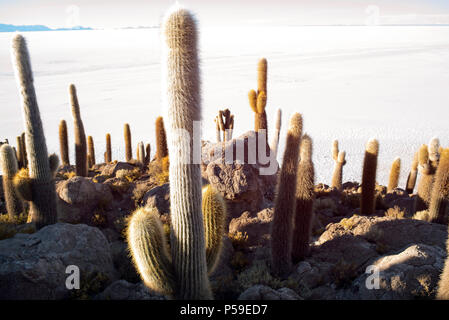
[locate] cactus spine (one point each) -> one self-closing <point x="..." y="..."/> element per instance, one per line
<point x="40" y="182"/>
<point x="91" y="151"/>
<point x="80" y="136"/>
<point x="367" y="199"/>
<point x="161" y="140"/>
<point x="275" y="142"/>
<point x="128" y="147"/>
<point x="108" y="154"/>
<point x="340" y="160"/>
<point x="394" y="175"/>
<point x="64" y="143"/>
<point x="285" y="203"/>
<point x="304" y="201"/>
<point x="438" y="208"/>
<point x="9" y="169"/>
<point x="411" y="179"/>
<point x="214" y="216"/>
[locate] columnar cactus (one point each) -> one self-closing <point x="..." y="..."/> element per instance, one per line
<point x="182" y="99"/>
<point x="434" y="152"/>
<point x="147" y="154"/>
<point x="20" y="154"/>
<point x="90" y="151"/>
<point x="141" y="153"/>
<point x="9" y="169"/>
<point x="275" y="140"/>
<point x="108" y="153"/>
<point x="285" y="203"/>
<point x="367" y="199"/>
<point x="225" y="124"/>
<point x="304" y="202"/>
<point x="64" y="143"/>
<point x="40" y="187"/>
<point x="394" y="175"/>
<point x="161" y="140"/>
<point x="80" y="136"/>
<point x="340" y="160"/>
<point x="427" y="170"/>
<point x="411" y="179"/>
<point x="258" y="100"/>
<point x="440" y="191"/>
<point x="24" y="150"/>
<point x="128" y="146"/>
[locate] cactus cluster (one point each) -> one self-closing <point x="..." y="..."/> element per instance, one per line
<point x="224" y="125"/>
<point x="340" y="160"/>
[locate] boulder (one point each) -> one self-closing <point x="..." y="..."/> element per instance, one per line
<point x="257" y="228"/>
<point x="261" y="292"/>
<point x="111" y="169"/>
<point x="159" y="198"/>
<point x="33" y="266"/>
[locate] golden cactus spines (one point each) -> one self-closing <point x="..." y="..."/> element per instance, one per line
<point x="335" y="150"/>
<point x="91" y="150"/>
<point x="149" y="251"/>
<point x="214" y="218"/>
<point x="128" y="146"/>
<point x="285" y="202"/>
<point x="161" y="140"/>
<point x="427" y="171"/>
<point x="367" y="199"/>
<point x="9" y="166"/>
<point x="262" y="68"/>
<point x="252" y="98"/>
<point x="304" y="202"/>
<point x="438" y="207"/>
<point x="20" y="155"/>
<point x="394" y="175"/>
<point x="24" y="150"/>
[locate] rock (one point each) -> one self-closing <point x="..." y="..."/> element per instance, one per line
<point x="245" y="186"/>
<point x="79" y="197"/>
<point x="123" y="290"/>
<point x="33" y="266"/>
<point x="257" y="228"/>
<point x="159" y="198"/>
<point x="407" y="204"/>
<point x="123" y="262"/>
<point x="261" y="292"/>
<point x="412" y="273"/>
<point x="111" y="169"/>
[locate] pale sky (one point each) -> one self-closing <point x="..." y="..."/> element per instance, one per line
<point x="122" y="13"/>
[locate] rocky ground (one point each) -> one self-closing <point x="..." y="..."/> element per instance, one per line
<point x="409" y="253"/>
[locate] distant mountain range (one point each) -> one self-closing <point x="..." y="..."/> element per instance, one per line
<point x="13" y="28"/>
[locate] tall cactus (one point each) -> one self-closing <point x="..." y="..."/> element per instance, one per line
<point x="64" y="143"/>
<point x="367" y="199"/>
<point x="9" y="169"/>
<point x="90" y="151"/>
<point x="258" y="100"/>
<point x="275" y="140"/>
<point x="24" y="150"/>
<point x="128" y="145"/>
<point x="108" y="154"/>
<point x="147" y="154"/>
<point x="340" y="160"/>
<point x="427" y="170"/>
<point x="438" y="208"/>
<point x="40" y="186"/>
<point x="304" y="201"/>
<point x="182" y="100"/>
<point x="411" y="179"/>
<point x="80" y="136"/>
<point x="20" y="154"/>
<point x="285" y="202"/>
<point x="161" y="140"/>
<point x="394" y="175"/>
<point x="141" y="153"/>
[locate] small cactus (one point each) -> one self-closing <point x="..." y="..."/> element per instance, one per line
<point x="20" y="154"/>
<point x="41" y="189"/>
<point x="434" y="151"/>
<point x="275" y="142"/>
<point x="438" y="208"/>
<point x="80" y="136"/>
<point x="108" y="153"/>
<point x="304" y="202"/>
<point x="90" y="151"/>
<point x="427" y="170"/>
<point x="64" y="143"/>
<point x="225" y="124"/>
<point x="9" y="169"/>
<point x="411" y="179"/>
<point x="147" y="154"/>
<point x="285" y="202"/>
<point x="367" y="199"/>
<point x="141" y="153"/>
<point x="161" y="140"/>
<point x="258" y="100"/>
<point x="24" y="150"/>
<point x="394" y="175"/>
<point x="128" y="146"/>
<point x="340" y="160"/>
